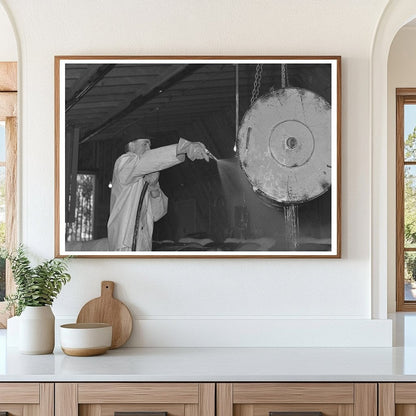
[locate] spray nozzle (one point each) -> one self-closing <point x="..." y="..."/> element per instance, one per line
<point x="210" y="155"/>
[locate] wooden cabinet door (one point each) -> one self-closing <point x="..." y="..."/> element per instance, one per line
<point x="297" y="399"/>
<point x="143" y="399"/>
<point x="27" y="399"/>
<point x="397" y="399"/>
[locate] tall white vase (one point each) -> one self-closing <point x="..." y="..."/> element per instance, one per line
<point x="37" y="330"/>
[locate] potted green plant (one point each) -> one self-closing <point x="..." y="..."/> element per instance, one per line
<point x="36" y="289"/>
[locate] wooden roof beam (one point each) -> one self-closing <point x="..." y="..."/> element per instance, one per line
<point x="87" y="83"/>
<point x="164" y="82"/>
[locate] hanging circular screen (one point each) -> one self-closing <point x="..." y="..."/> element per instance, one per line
<point x="284" y="145"/>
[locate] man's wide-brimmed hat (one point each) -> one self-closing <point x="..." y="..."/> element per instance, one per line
<point x="136" y="134"/>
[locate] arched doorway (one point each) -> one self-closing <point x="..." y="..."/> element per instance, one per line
<point x="396" y="15"/>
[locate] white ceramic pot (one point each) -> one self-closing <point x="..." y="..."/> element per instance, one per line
<point x="37" y="330"/>
<point x="85" y="339"/>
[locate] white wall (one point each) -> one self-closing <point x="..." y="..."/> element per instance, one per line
<point x="8" y="46"/>
<point x="203" y="302"/>
<point x="401" y="74"/>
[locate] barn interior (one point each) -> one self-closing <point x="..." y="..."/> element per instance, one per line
<point x="212" y="206"/>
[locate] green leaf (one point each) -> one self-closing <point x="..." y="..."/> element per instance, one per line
<point x="35" y="286"/>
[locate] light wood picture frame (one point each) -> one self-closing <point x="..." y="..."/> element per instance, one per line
<point x="245" y="156"/>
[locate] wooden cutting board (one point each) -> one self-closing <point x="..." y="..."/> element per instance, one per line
<point x="108" y="310"/>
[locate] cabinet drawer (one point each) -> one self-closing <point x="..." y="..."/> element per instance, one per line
<point x="397" y="399"/>
<point x="297" y="399"/>
<point x="19" y="393"/>
<point x="20" y="399"/>
<point x="147" y="399"/>
<point x="138" y="393"/>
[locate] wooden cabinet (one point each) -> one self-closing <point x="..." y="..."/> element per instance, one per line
<point x="397" y="399"/>
<point x="27" y="399"/>
<point x="106" y="399"/>
<point x="208" y="399"/>
<point x="264" y="399"/>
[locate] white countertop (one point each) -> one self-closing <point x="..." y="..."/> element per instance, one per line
<point x="220" y="364"/>
<point x="215" y="364"/>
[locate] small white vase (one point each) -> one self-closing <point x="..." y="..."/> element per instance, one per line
<point x="12" y="334"/>
<point x="37" y="330"/>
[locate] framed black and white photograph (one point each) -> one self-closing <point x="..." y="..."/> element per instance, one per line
<point x="198" y="156"/>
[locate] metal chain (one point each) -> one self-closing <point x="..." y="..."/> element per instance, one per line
<point x="283" y="76"/>
<point x="257" y="83"/>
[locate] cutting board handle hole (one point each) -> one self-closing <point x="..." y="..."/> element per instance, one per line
<point x="107" y="288"/>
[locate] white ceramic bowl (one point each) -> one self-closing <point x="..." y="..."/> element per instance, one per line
<point x="83" y="340"/>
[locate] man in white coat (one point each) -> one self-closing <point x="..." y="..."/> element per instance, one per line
<point x="130" y="227"/>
